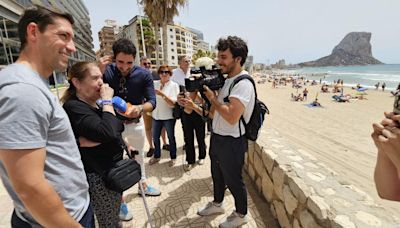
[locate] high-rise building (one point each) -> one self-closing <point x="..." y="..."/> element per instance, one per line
<point x="10" y="12"/>
<point x="179" y="38"/>
<point x="183" y="45"/>
<point x="107" y="36"/>
<point x="198" y="40"/>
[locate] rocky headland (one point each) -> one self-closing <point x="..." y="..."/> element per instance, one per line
<point x="354" y="49"/>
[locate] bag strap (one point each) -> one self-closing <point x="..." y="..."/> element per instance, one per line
<point x="97" y="167"/>
<point x="237" y="80"/>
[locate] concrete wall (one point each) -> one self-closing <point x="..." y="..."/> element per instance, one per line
<point x="303" y="192"/>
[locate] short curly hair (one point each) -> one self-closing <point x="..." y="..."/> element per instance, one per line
<point x="236" y="45"/>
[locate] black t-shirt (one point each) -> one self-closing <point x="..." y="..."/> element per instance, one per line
<point x="98" y="126"/>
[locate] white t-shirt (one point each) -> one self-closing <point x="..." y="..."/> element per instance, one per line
<point x="179" y="76"/>
<point x="243" y="91"/>
<point x="163" y="111"/>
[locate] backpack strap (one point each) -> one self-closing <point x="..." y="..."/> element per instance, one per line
<point x="237" y="80"/>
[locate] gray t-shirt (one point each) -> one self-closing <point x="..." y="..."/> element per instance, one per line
<point x="31" y="117"/>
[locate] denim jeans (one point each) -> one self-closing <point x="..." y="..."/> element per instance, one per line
<point x="170" y="128"/>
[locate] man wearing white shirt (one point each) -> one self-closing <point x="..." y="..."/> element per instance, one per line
<point x="179" y="74"/>
<point x="228" y="143"/>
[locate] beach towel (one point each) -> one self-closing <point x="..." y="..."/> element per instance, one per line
<point x="312" y="106"/>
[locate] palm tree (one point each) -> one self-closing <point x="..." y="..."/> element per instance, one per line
<point x="161" y="13"/>
<point x="149" y="38"/>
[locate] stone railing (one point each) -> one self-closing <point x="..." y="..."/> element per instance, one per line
<point x="303" y="192"/>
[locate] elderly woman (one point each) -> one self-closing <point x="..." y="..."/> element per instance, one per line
<point x="99" y="133"/>
<point x="167" y="92"/>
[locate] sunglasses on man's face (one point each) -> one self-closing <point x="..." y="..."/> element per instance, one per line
<point x="165" y="72"/>
<point x="147" y="64"/>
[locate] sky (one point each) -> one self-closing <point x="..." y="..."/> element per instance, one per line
<point x="294" y="30"/>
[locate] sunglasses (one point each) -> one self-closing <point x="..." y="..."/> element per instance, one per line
<point x="147" y="64"/>
<point x="165" y="72"/>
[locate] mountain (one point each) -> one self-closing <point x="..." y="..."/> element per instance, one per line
<point x="354" y="49"/>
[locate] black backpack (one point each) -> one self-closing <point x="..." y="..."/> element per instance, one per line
<point x="257" y="116"/>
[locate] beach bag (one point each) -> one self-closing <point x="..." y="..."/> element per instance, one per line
<point x="257" y="116"/>
<point x="177" y="111"/>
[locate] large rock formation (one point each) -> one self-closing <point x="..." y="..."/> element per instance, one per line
<point x="354" y="49"/>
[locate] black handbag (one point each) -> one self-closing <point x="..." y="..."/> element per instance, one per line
<point x="122" y="175"/>
<point x="177" y="111"/>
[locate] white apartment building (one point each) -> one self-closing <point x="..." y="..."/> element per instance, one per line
<point x="180" y="41"/>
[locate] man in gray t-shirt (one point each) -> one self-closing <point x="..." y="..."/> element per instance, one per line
<point x="40" y="164"/>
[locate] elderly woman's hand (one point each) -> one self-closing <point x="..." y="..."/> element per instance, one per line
<point x="106" y="92"/>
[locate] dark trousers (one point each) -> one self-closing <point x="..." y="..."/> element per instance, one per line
<point x="87" y="220"/>
<point x="227" y="159"/>
<point x="193" y="124"/>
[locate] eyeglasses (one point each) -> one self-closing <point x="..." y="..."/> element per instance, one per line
<point x="147" y="64"/>
<point x="165" y="72"/>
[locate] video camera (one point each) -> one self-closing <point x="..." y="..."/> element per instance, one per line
<point x="212" y="78"/>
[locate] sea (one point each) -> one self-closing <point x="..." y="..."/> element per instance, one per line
<point x="368" y="76"/>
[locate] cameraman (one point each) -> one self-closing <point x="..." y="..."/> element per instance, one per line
<point x="228" y="144"/>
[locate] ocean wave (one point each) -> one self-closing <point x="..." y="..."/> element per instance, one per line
<point x="365" y="74"/>
<point x="366" y="86"/>
<point x="382" y="79"/>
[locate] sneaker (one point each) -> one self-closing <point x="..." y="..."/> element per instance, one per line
<point x="210" y="209"/>
<point x="154" y="161"/>
<point x="233" y="220"/>
<point x="124" y="213"/>
<point x="188" y="167"/>
<point x="150" y="191"/>
<point x="172" y="162"/>
<point x="166" y="147"/>
<point x="150" y="152"/>
<point x="200" y="161"/>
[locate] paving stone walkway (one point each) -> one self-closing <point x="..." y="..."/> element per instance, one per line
<point x="182" y="194"/>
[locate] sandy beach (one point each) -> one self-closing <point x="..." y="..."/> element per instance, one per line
<point x="337" y="134"/>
